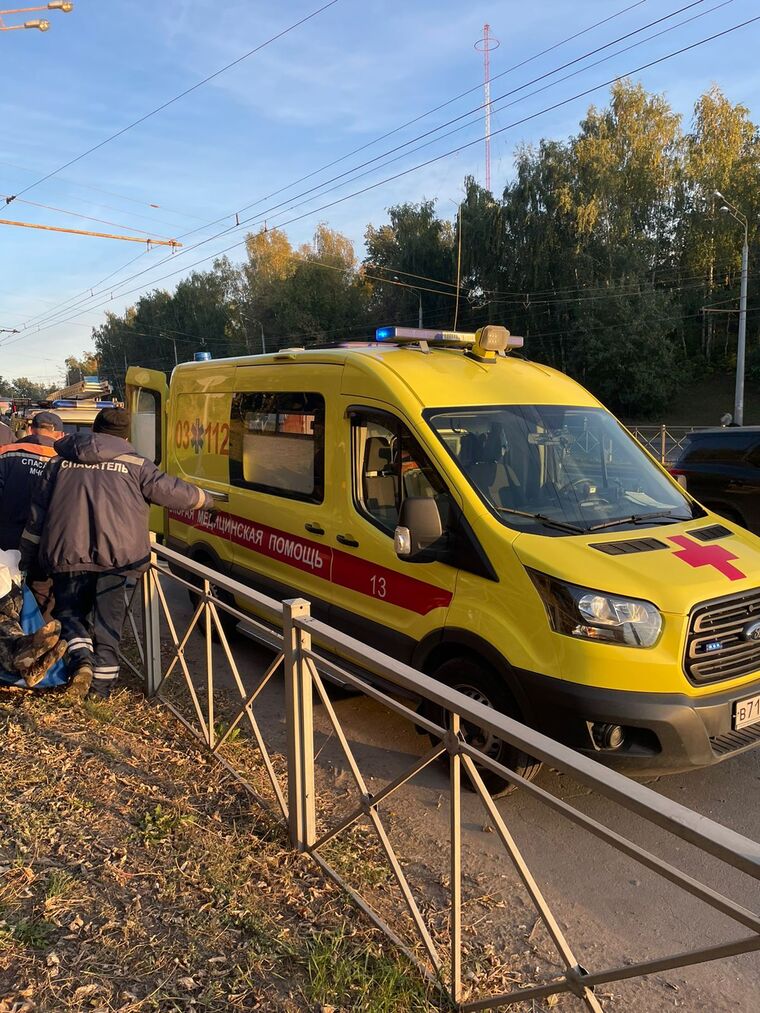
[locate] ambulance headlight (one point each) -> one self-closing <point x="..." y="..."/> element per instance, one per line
<point x="584" y="614"/>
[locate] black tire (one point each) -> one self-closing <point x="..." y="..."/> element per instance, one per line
<point x="475" y="679"/>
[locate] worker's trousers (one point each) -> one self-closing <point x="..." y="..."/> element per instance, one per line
<point x="90" y="608"/>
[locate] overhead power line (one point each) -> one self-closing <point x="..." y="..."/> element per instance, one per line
<point x="264" y="215"/>
<point x="470" y="112"/>
<point x="382" y="137"/>
<point x="176" y="98"/>
<point x="87" y="218"/>
<point x="406" y="150"/>
<point x="108" y="193"/>
<point x="462" y="147"/>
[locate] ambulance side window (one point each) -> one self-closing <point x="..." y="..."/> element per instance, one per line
<point x="277" y="444"/>
<point x="389" y="465"/>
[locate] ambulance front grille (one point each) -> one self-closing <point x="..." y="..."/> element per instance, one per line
<point x="717" y="645"/>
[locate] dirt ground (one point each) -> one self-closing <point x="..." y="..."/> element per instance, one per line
<point x="137" y="874"/>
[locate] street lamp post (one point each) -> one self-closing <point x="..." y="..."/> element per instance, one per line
<point x="64" y="6"/>
<point x="729" y="208"/>
<point x="459" y="256"/>
<point x="419" y="300"/>
<point x="252" y="320"/>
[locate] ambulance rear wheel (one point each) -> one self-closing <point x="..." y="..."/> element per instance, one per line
<point x="476" y="680"/>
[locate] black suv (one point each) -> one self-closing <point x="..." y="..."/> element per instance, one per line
<point x="722" y="471"/>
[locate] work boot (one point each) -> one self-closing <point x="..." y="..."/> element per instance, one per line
<point x="29" y="649"/>
<point x="34" y="675"/>
<point x="79" y="683"/>
<point x="101" y="689"/>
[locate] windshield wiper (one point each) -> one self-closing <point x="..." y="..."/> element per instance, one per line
<point x="637" y="519"/>
<point x="548" y="521"/>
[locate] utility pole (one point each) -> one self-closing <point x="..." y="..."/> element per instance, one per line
<point x="252" y="320"/>
<point x="741" y="348"/>
<point x="485" y="46"/>
<point x="742" y="344"/>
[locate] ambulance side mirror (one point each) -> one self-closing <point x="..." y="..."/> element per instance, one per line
<point x="419" y="527"/>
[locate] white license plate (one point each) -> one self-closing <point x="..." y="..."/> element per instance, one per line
<point x="747" y="712"/>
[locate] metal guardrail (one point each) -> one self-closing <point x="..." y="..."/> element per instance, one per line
<point x="296" y="802"/>
<point x="663" y="442"/>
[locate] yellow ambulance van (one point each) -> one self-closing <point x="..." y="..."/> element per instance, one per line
<point x="482" y="517"/>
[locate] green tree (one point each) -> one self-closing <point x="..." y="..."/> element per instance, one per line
<point x="78" y="369"/>
<point x="324" y="299"/>
<point x="164" y="328"/>
<point x="626" y="173"/>
<point x="722" y="153"/>
<point x="24" y="387"/>
<point x="415" y="254"/>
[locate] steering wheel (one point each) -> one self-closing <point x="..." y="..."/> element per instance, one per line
<point x="570" y="488"/>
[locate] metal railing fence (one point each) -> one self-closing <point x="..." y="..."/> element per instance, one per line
<point x="295" y="801"/>
<point x="663" y="442"/>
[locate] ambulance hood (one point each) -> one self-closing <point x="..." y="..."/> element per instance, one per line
<point x="92" y="448"/>
<point x="668" y="565"/>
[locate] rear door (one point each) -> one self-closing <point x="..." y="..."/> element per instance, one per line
<point x="283" y="507"/>
<point x="146" y="400"/>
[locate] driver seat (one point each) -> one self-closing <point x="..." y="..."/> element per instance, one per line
<point x="495" y="478"/>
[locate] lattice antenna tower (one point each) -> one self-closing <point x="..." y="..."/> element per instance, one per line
<point x="486" y="45"/>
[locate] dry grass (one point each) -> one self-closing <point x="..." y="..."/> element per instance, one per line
<point x="137" y="875"/>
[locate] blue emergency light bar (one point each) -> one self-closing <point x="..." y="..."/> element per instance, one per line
<point x="491" y="338"/>
<point x="411" y="334"/>
<point x="82" y="404"/>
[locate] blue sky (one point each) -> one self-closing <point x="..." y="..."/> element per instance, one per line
<point x="353" y="73"/>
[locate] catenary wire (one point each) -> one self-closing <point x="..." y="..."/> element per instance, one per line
<point x="50" y="313"/>
<point x="176" y="98"/>
<point x="470" y="112"/>
<point x="465" y="145"/>
<point x="87" y="218"/>
<point x="416" y="119"/>
<point x="108" y="193"/>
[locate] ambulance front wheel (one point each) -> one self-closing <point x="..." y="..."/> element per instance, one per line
<point x="476" y="680"/>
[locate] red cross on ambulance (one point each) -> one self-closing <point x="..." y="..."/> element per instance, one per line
<point x="696" y="555"/>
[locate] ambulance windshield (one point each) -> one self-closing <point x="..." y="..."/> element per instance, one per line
<point x="558" y="468"/>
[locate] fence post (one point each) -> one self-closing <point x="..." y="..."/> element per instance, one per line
<point x="151" y="628"/>
<point x="455" y="816"/>
<point x="206" y="619"/>
<point x="299" y="725"/>
<point x="663" y="446"/>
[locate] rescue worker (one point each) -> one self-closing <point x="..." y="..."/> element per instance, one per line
<point x="88" y="527"/>
<point x="21" y="465"/>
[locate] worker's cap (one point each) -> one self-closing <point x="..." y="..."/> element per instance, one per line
<point x="112" y="422"/>
<point x="47" y="420"/>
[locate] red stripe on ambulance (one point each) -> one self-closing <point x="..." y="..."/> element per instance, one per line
<point x="332" y="565"/>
